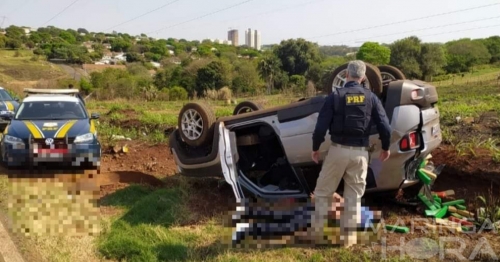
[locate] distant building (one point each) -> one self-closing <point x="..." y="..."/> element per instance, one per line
<point x="232" y="36"/>
<point x="250" y="38"/>
<point x="253" y="39"/>
<point x="257" y="43"/>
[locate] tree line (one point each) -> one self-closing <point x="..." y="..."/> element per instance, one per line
<point x="191" y="68"/>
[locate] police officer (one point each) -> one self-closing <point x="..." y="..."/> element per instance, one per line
<point x="347" y="113"/>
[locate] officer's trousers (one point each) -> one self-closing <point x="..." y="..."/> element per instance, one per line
<point x="352" y="165"/>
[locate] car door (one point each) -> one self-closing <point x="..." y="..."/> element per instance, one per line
<point x="228" y="159"/>
<point x="236" y="178"/>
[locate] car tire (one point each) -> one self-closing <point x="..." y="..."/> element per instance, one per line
<point x="246" y="107"/>
<point x="373" y="76"/>
<point x="196" y="124"/>
<point x="391" y="72"/>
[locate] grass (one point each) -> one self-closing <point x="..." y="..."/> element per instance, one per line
<point x="477" y="77"/>
<point x="149" y="228"/>
<point x="18" y="67"/>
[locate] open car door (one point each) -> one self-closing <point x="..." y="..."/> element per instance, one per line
<point x="229" y="157"/>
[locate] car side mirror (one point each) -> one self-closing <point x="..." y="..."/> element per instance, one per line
<point x="94" y="116"/>
<point x="16" y="99"/>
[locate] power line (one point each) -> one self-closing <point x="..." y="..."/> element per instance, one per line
<point x="462" y="30"/>
<point x="422" y="29"/>
<point x="149" y="12"/>
<point x="405" y="21"/>
<point x="229" y="7"/>
<point x="74" y="2"/>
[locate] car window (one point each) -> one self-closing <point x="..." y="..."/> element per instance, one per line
<point x="4" y="96"/>
<point x="53" y="110"/>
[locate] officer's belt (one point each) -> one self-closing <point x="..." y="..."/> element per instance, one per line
<point x="362" y="148"/>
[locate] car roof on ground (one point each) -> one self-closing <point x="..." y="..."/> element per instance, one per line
<point x="51" y="98"/>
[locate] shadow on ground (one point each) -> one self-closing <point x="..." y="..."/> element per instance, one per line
<point x="162" y="219"/>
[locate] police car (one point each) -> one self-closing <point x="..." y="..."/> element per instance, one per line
<point x="8" y="105"/>
<point x="51" y="128"/>
<point x="267" y="152"/>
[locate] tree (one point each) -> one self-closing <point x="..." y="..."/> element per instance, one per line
<point x="14" y="32"/>
<point x="493" y="45"/>
<point x="13" y="43"/>
<point x="405" y="54"/>
<point x="464" y="54"/>
<point x="374" y="53"/>
<point x="432" y="59"/>
<point x="68" y="37"/>
<point x="82" y="30"/>
<point x="212" y="76"/>
<point x="247" y="78"/>
<point x="314" y="73"/>
<point x="297" y="55"/>
<point x="3" y="41"/>
<point x="269" y="67"/>
<point x="134" y="57"/>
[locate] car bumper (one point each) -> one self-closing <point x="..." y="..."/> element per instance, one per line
<point x="83" y="155"/>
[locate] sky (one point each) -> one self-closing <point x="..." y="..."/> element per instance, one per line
<point x="326" y="22"/>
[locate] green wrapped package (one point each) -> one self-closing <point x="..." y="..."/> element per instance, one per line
<point x="426" y="202"/>
<point x="425" y="179"/>
<point x="397" y="229"/>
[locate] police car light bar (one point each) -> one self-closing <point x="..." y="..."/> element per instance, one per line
<point x="51" y="91"/>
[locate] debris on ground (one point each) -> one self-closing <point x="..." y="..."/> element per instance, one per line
<point x="120" y="149"/>
<point x="117" y="137"/>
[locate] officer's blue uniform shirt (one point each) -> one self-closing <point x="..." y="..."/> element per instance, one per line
<point x="326" y="114"/>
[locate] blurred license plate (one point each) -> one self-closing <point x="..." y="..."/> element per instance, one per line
<point x="50" y="151"/>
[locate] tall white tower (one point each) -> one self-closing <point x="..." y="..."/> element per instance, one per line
<point x="249" y="38"/>
<point x="257" y="41"/>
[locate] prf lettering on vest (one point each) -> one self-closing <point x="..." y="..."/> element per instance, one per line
<point x="355" y="99"/>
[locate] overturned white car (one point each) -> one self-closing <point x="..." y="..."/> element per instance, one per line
<point x="267" y="152"/>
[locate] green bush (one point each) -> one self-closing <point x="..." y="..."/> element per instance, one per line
<point x="177" y="93"/>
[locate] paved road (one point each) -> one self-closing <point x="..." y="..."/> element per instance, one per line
<point x="76" y="73"/>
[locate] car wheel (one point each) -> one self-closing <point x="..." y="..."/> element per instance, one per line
<point x="196" y="124"/>
<point x="246" y="107"/>
<point x="391" y="73"/>
<point x="374" y="78"/>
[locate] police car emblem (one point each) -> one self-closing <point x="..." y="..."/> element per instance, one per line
<point x="49" y="141"/>
<point x="49" y="124"/>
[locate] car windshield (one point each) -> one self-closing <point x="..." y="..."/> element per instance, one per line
<point x="4" y="96"/>
<point x="52" y="110"/>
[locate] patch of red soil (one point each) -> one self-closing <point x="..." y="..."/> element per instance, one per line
<point x="141" y="157"/>
<point x="467" y="170"/>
